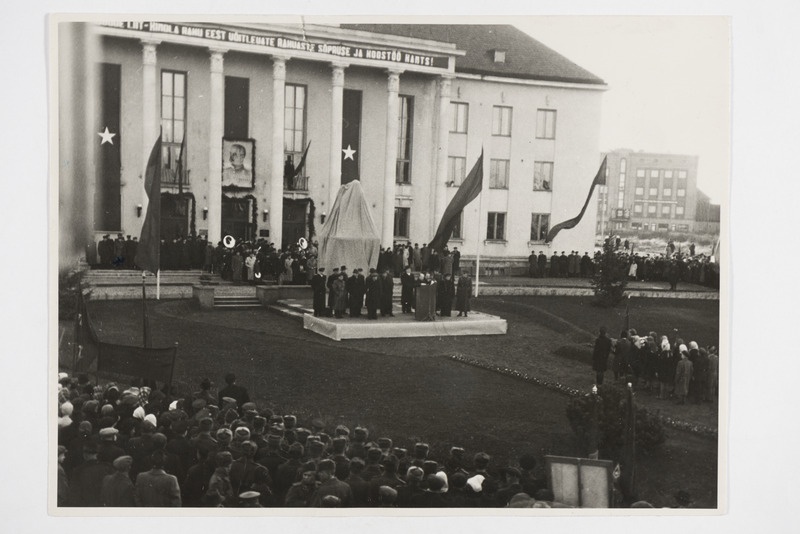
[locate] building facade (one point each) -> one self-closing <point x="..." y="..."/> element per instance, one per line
<point x="405" y="109"/>
<point x="647" y="192"/>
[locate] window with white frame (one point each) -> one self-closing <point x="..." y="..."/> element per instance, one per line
<point x="653" y="173"/>
<point x="456" y="169"/>
<point x="543" y="176"/>
<point x="637" y="208"/>
<point x="640" y="173"/>
<point x="546" y="124"/>
<point x="681" y="193"/>
<point x="682" y="174"/>
<point x="679" y="211"/>
<point x="651" y="209"/>
<point x="666" y="210"/>
<point x="540" y="225"/>
<point x="498" y="173"/>
<point x="459" y="117"/>
<point x="501" y="121"/>
<point x="404" y="139"/>
<point x="402" y="217"/>
<point x="496" y="226"/>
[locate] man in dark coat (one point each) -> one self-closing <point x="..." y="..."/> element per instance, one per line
<point x="445" y="293"/>
<point x="356" y="286"/>
<point x="541" y="259"/>
<point x="602" y="348"/>
<point x="407" y="295"/>
<point x="563" y="265"/>
<point x="621" y="354"/>
<point x="329" y="285"/>
<point x="456" y="261"/>
<point x="387" y="294"/>
<point x="425" y="253"/>
<point x="330" y="485"/>
<point x="86" y="480"/>
<point x="532" y="265"/>
<point x="233" y="391"/>
<point x="105" y="251"/>
<point x="463" y="294"/>
<point x="586" y="265"/>
<point x="373" y="289"/>
<point x="318" y="288"/>
<point x="554" y="263"/>
<point x="117" y="489"/>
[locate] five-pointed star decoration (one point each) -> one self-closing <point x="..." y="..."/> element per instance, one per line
<point x="348" y="153"/>
<point x="106" y="136"/>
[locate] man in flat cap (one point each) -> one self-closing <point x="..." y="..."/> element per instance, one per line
<point x="157" y="488"/>
<point x="117" y="489"/>
<point x="108" y="450"/>
<point x="330" y="485"/>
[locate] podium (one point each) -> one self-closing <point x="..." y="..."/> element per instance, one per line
<point x="425" y="302"/>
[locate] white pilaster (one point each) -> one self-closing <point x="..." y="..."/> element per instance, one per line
<point x="337" y="95"/>
<point x="216" y="112"/>
<point x="390" y="167"/>
<point x="276" y="163"/>
<point x="150" y="101"/>
<point x="442" y="141"/>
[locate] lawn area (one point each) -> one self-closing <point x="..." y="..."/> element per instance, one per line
<point x="408" y="390"/>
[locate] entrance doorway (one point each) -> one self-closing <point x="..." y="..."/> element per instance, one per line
<point x="295" y="220"/>
<point x="237" y="218"/>
<point x="175" y="215"/>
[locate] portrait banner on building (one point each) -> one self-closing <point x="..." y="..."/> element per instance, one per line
<point x="238" y="164"/>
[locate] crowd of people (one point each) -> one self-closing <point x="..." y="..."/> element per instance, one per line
<point x="130" y="446"/>
<point x="670" y="369"/>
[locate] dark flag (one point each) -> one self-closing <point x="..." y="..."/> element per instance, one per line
<point x="148" y="254"/>
<point x="351" y="133"/>
<point x="107" y="191"/>
<point x="467" y="192"/>
<point x="302" y="162"/>
<point x="599" y="179"/>
<point x="180" y="166"/>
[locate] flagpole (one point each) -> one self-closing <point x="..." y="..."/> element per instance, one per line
<point x="158" y="284"/>
<point x="478" y="245"/>
<point x="144" y="311"/>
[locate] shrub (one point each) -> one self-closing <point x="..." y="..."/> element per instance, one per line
<point x="610" y="431"/>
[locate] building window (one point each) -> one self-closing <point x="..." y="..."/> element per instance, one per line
<point x="651" y="209"/>
<point x="401" y="219"/>
<point x="623" y="164"/>
<point x="498" y="173"/>
<point x="663" y="227"/>
<point x="496" y="227"/>
<point x="543" y="176"/>
<point x="683" y="227"/>
<point x="540" y="224"/>
<point x="294" y="121"/>
<point x="458" y="226"/>
<point x="636" y="226"/>
<point x="620" y="199"/>
<point x="404" y="139"/>
<point x="456" y="169"/>
<point x="459" y="117"/>
<point x="679" y="211"/>
<point x="546" y="124"/>
<point x="682" y="174"/>
<point x="501" y="121"/>
<point x="639" y="191"/>
<point x="667" y="174"/>
<point x="622" y="180"/>
<point x="173" y="115"/>
<point x="637" y="208"/>
<point x="653" y="173"/>
<point x="640" y="173"/>
<point x="653" y="192"/>
<point x="667" y="192"/>
<point x="666" y="210"/>
<point x="681" y="193"/>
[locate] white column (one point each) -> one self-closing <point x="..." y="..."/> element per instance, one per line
<point x="337" y="94"/>
<point x="442" y="141"/>
<point x="276" y="163"/>
<point x="215" y="132"/>
<point x="150" y="100"/>
<point x="390" y="167"/>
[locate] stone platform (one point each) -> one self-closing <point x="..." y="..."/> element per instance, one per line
<point x="403" y="325"/>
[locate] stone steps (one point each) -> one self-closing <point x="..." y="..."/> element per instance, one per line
<point x="235" y="302"/>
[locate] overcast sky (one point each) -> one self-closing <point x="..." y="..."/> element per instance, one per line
<point x="669" y="83"/>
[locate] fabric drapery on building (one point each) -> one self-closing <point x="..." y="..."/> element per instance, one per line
<point x="349" y="236"/>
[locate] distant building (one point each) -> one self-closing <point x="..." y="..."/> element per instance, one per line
<point x="647" y="192"/>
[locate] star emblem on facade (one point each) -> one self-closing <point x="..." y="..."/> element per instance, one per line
<point x="348" y="153"/>
<point x="107" y="137"/>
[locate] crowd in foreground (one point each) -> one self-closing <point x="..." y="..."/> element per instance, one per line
<point x="124" y="447"/>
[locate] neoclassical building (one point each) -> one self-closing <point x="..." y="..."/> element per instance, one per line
<point x="405" y="109"/>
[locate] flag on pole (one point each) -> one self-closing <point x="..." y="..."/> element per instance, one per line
<point x="467" y="192"/>
<point x="180" y="166"/>
<point x="148" y="254"/>
<point x="302" y="162"/>
<point x="599" y="179"/>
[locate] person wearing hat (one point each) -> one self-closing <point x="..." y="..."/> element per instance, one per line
<point x="373" y="467"/>
<point x="683" y="375"/>
<point x="108" y="449"/>
<point x="457" y="494"/>
<point x="374" y="290"/>
<point x="339" y="292"/>
<point x="463" y="294"/>
<point x="318" y="289"/>
<point x="62" y="483"/>
<point x="355" y="293"/>
<point x="204" y="393"/>
<point x="85" y="481"/>
<point x="511" y="486"/>
<point x="242" y="471"/>
<point x="156" y="488"/>
<point x="233" y="390"/>
<point x="389" y="478"/>
<point x="330" y="485"/>
<point x="74" y="456"/>
<point x="329" y="284"/>
<point x="602" y="348"/>
<point x="271" y="456"/>
<point x="432" y="495"/>
<point x="220" y="482"/>
<point x="420" y="454"/>
<point x="300" y="493"/>
<point x="118" y="489"/>
<point x="287" y="472"/>
<point x="250" y="499"/>
<point x="387" y="294"/>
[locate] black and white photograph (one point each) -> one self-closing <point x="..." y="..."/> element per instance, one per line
<point x="389" y="267"/>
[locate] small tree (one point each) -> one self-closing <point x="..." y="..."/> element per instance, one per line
<point x="610" y="276"/>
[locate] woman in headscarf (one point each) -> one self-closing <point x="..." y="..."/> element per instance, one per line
<point x="665" y="370"/>
<point x="683" y="375"/>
